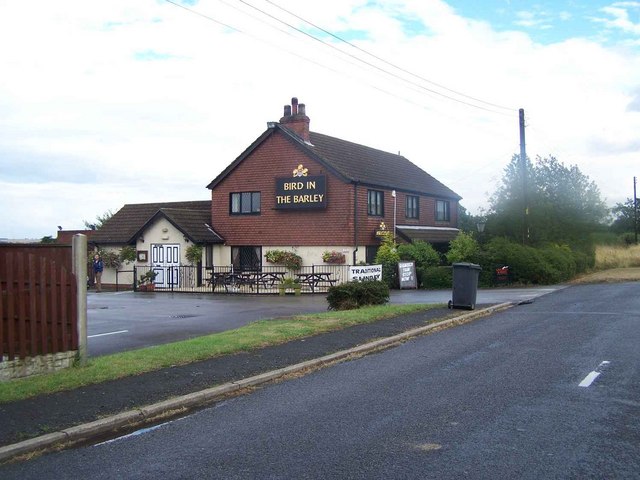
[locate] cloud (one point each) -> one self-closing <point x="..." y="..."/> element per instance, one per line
<point x="126" y="103"/>
<point x="620" y="18"/>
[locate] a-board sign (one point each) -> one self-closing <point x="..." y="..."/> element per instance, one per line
<point x="407" y="274"/>
<point x="365" y="273"/>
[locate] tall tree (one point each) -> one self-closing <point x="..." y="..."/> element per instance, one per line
<point x="99" y="221"/>
<point x="624" y="219"/>
<point x="564" y="204"/>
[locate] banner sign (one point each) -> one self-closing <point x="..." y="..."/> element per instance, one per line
<point x="301" y="193"/>
<point x="365" y="273"/>
<point x="407" y="274"/>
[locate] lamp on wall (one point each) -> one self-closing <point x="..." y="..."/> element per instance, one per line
<point x="186" y="239"/>
<point x="393" y="194"/>
<point x="141" y="239"/>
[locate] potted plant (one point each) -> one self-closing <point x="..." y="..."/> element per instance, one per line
<point x="146" y="281"/>
<point x="333" y="257"/>
<point x="289" y="284"/>
<point x="291" y="260"/>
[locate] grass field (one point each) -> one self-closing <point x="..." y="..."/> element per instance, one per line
<point x="609" y="256"/>
<point x="614" y="264"/>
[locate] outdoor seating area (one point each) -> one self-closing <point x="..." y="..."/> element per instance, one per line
<point x="316" y="280"/>
<point x="254" y="280"/>
<point x="227" y="279"/>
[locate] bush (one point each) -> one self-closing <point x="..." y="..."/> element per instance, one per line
<point x="194" y="254"/>
<point x="388" y="257"/>
<point x="127" y="254"/>
<point x="463" y="248"/>
<point x="422" y="253"/>
<point x="546" y="265"/>
<point x="435" y="277"/>
<point x="352" y="295"/>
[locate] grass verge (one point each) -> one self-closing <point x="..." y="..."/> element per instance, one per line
<point x="255" y="335"/>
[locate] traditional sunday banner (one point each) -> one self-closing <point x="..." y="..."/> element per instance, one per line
<point x="365" y="273"/>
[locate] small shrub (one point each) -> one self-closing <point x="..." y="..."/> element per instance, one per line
<point x="463" y="248"/>
<point x="435" y="277"/>
<point x="422" y="253"/>
<point x="352" y="295"/>
<point x="388" y="257"/>
<point x="194" y="254"/>
<point x="127" y="254"/>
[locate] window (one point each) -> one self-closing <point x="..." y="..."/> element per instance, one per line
<point x="443" y="213"/>
<point x="412" y="206"/>
<point x="375" y="203"/>
<point x="245" y="203"/>
<point x="370" y="253"/>
<point x="246" y="258"/>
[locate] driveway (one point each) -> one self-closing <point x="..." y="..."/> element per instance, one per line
<point x="126" y="320"/>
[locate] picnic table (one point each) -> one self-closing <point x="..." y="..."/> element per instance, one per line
<point x="250" y="278"/>
<point x="229" y="279"/>
<point x="313" y="280"/>
<point x="268" y="279"/>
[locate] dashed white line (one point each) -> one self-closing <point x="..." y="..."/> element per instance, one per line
<point x="589" y="379"/>
<point x="108" y="333"/>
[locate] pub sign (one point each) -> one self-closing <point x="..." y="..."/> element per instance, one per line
<point x="301" y="191"/>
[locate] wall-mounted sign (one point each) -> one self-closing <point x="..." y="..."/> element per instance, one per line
<point x="365" y="273"/>
<point x="301" y="191"/>
<point x="382" y="231"/>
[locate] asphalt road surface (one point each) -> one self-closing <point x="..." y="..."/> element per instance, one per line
<point x="124" y="321"/>
<point x="544" y="390"/>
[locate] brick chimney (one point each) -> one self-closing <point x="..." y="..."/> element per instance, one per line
<point x="295" y="119"/>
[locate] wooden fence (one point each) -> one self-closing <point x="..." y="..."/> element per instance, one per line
<point x="38" y="304"/>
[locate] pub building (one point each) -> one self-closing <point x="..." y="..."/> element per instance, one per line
<point x="293" y="190"/>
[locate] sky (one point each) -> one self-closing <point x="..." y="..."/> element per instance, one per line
<point x="108" y="103"/>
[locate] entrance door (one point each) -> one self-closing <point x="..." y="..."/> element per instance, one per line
<point x="165" y="260"/>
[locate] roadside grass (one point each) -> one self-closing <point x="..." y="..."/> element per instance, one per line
<point x="612" y="256"/>
<point x="249" y="337"/>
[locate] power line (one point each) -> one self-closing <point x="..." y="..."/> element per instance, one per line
<point x="380" y="69"/>
<point x="387" y="62"/>
<point x="290" y="52"/>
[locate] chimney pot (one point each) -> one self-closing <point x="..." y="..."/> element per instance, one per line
<point x="294" y="106"/>
<point x="301" y="109"/>
<point x="287" y="110"/>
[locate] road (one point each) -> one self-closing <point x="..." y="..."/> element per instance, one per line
<point x="124" y="321"/>
<point x="544" y="390"/>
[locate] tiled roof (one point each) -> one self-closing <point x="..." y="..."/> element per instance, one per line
<point x="374" y="167"/>
<point x="355" y="163"/>
<point x="126" y="224"/>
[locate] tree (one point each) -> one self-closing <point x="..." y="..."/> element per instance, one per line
<point x="99" y="222"/>
<point x="564" y="205"/>
<point x="624" y="221"/>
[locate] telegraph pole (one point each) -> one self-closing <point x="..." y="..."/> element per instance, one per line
<point x="523" y="168"/>
<point x="635" y="209"/>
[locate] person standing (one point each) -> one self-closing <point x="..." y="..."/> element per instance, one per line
<point x="98" y="266"/>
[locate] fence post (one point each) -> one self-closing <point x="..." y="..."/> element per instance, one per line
<point x="79" y="252"/>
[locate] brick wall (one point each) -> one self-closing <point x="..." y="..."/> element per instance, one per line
<point x="334" y="225"/>
<point x="277" y="157"/>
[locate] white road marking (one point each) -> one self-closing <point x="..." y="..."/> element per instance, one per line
<point x="133" y="434"/>
<point x="108" y="333"/>
<point x="589" y="379"/>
